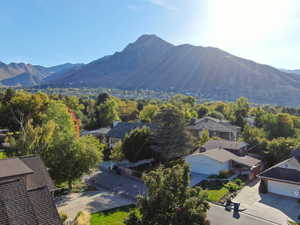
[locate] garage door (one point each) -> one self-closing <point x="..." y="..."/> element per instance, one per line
<point x="285" y="189"/>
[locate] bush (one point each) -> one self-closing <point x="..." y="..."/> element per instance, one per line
<point x="238" y="181"/>
<point x="82" y="218"/>
<point x="231" y="186"/>
<point x="63" y="217"/>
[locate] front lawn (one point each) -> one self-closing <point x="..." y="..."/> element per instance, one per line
<point x="112" y="217"/>
<point x="215" y="195"/>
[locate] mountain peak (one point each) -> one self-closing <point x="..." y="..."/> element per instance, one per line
<point x="151" y="39"/>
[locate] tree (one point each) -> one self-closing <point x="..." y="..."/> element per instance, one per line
<point x="170" y="200"/>
<point x="171" y="139"/>
<point x="148" y="113"/>
<point x="204" y="138"/>
<point x="116" y="153"/>
<point x="280" y="149"/>
<point x="69" y="159"/>
<point x="202" y="111"/>
<point x="216" y="115"/>
<point x="241" y="111"/>
<point x="106" y="113"/>
<point x="180" y="99"/>
<point x="136" y="145"/>
<point x="285" y="125"/>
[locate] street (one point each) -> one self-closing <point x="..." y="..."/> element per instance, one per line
<point x="217" y="215"/>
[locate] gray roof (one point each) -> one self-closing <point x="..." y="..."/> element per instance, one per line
<point x="40" y="177"/>
<point x="13" y="167"/>
<point x="232" y="145"/>
<point x="123" y="128"/>
<point x="284" y="174"/>
<point x="100" y="131"/>
<point x="26" y="201"/>
<point x="222" y="155"/>
<point x="212" y="124"/>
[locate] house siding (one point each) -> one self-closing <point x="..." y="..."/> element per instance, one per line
<point x="204" y="165"/>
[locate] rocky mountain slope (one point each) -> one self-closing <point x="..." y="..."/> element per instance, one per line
<point x="152" y="63"/>
<point x="21" y="74"/>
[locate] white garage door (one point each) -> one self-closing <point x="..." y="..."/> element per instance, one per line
<point x="204" y="165"/>
<point x="285" y="189"/>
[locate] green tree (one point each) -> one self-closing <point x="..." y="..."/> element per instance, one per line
<point x="117" y="153"/>
<point x="203" y="138"/>
<point x="171" y="139"/>
<point x="148" y="113"/>
<point x="106" y="113"/>
<point x="216" y="115"/>
<point x="241" y="111"/>
<point x="170" y="200"/>
<point x="202" y="111"/>
<point x="136" y="145"/>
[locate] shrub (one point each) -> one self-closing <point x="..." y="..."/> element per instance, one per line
<point x="82" y="218"/>
<point x="238" y="181"/>
<point x="231" y="186"/>
<point x="63" y="217"/>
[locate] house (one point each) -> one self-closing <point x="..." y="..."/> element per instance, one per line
<point x="100" y="133"/>
<point x="284" y="177"/>
<point x="215" y="127"/>
<point x="119" y="131"/>
<point x="236" y="147"/>
<point x="217" y="160"/>
<point x="26" y="193"/>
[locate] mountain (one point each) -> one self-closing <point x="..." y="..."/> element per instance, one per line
<point x="152" y="63"/>
<point x="291" y="71"/>
<point x="21" y="74"/>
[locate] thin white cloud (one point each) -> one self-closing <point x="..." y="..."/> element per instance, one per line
<point x="164" y="4"/>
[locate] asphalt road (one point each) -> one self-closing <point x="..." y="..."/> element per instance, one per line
<point x="217" y="215"/>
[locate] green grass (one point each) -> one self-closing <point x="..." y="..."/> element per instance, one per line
<point x="112" y="217"/>
<point x="215" y="195"/>
<point x="2" y="155"/>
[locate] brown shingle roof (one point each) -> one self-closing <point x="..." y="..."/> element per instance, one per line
<point x="40" y="177"/>
<point x="43" y="206"/>
<point x="13" y="167"/>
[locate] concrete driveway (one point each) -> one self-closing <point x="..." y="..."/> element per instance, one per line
<point x="91" y="201"/>
<point x="268" y="206"/>
<point x="122" y="185"/>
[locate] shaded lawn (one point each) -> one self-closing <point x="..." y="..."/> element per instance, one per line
<point x="112" y="217"/>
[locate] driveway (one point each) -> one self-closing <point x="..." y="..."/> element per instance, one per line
<point x="122" y="185"/>
<point x="269" y="206"/>
<point x="91" y="201"/>
<point x="217" y="215"/>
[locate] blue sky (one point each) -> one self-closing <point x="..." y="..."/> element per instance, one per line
<point x="53" y="32"/>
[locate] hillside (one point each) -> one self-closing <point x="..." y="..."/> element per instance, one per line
<point x="152" y="63"/>
<point x="21" y="74"/>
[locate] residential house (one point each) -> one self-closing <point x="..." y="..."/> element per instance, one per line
<point x="100" y="133"/>
<point x="215" y="127"/>
<point x="119" y="131"/>
<point x="217" y="160"/>
<point x="26" y="193"/>
<point x="284" y="177"/>
<point x="236" y="147"/>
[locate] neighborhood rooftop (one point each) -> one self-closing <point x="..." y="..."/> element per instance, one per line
<point x="123" y="128"/>
<point x="213" y="124"/>
<point x="25" y="196"/>
<point x="288" y="170"/>
<point x="222" y="155"/>
<point x="13" y="167"/>
<point x="226" y="144"/>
